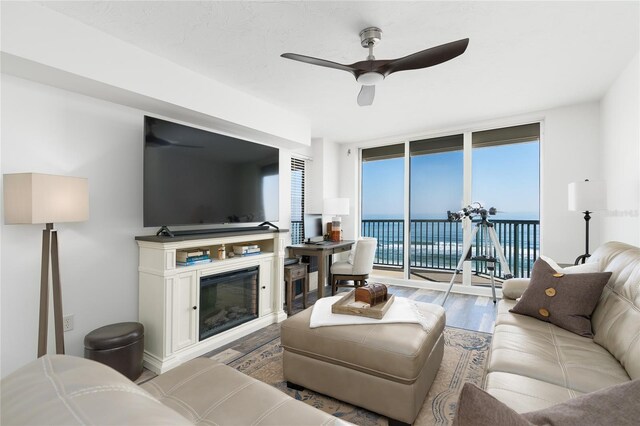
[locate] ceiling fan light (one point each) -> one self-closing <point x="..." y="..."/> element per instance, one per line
<point x="370" y="78"/>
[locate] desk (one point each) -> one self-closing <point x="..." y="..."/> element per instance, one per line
<point x="322" y="252"/>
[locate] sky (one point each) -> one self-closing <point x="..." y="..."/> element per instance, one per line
<point x="505" y="177"/>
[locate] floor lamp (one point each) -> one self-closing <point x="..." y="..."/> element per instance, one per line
<point x="586" y="197"/>
<point x="33" y="198"/>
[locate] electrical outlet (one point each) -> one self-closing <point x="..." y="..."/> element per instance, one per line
<point x="67" y="322"/>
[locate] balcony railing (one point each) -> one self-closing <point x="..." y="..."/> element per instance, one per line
<point x="438" y="244"/>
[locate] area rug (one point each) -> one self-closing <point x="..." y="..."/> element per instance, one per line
<point x="465" y="357"/>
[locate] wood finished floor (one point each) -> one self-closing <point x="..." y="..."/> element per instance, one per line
<point x="476" y="313"/>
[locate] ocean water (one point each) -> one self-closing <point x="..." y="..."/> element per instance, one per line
<point x="439" y="244"/>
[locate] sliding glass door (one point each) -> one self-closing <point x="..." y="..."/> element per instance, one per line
<point x="506" y="175"/>
<point x="497" y="168"/>
<point x="436" y="186"/>
<point x="383" y="205"/>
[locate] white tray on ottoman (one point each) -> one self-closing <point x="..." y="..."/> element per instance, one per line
<point x="385" y="368"/>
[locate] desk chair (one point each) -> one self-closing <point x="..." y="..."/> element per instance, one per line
<point x="357" y="268"/>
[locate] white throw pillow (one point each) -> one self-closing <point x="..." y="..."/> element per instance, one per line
<point x="585" y="268"/>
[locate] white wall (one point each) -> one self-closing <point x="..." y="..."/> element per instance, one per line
<point x="324" y="174"/>
<point x="52" y="48"/>
<point x="620" y="156"/>
<point x="49" y="130"/>
<point x="349" y="175"/>
<point x="569" y="152"/>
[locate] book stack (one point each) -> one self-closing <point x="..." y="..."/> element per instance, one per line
<point x="246" y="250"/>
<point x="192" y="256"/>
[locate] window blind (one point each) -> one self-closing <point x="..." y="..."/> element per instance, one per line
<point x="298" y="169"/>
<point x="436" y="145"/>
<point x="383" y="152"/>
<point x="506" y="135"/>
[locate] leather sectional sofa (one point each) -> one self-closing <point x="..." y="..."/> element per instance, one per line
<point x="66" y="390"/>
<point x="534" y="364"/>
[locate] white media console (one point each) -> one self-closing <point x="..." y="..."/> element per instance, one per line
<point x="169" y="294"/>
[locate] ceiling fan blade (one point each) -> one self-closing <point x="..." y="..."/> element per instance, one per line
<point x="319" y="62"/>
<point x="366" y="95"/>
<point x="426" y="58"/>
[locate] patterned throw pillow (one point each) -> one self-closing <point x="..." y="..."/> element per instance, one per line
<point x="566" y="300"/>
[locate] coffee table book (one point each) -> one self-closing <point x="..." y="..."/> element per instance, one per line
<point x="375" y="311"/>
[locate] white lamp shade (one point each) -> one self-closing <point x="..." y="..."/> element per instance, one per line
<point x="336" y="206"/>
<point x="38" y="198"/>
<point x="588" y="195"/>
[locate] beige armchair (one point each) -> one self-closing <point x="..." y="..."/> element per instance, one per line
<point x="357" y="268"/>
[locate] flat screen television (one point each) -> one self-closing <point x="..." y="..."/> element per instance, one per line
<point x="193" y="176"/>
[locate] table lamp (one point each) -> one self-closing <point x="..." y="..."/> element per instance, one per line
<point x="336" y="207"/>
<point x="586" y="197"/>
<point x="34" y="198"/>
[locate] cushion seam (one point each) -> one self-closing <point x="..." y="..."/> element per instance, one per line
<point x="565" y="374"/>
<point x="46" y="365"/>
<point x="412" y="355"/>
<point x="520" y="393"/>
<point x="355" y="367"/>
<point x="192" y="376"/>
<point x="180" y="402"/>
<point x="111" y="388"/>
<point x="211" y="408"/>
<point x="271" y="410"/>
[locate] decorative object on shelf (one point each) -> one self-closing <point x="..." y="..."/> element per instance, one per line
<point x="222" y="253"/>
<point x="347" y="306"/>
<point x="336" y="207"/>
<point x="191" y="255"/>
<point x="327" y="236"/>
<point x="34" y="198"/>
<point x="247" y="250"/>
<point x="206" y="259"/>
<point x="586" y="197"/>
<point x="371" y="294"/>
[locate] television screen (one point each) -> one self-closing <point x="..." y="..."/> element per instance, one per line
<point x="193" y="176"/>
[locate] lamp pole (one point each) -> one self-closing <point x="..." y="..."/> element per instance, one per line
<point x="583" y="257"/>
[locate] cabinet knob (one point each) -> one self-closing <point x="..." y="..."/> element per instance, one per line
<point x="195" y="307"/>
<point x="264" y="287"/>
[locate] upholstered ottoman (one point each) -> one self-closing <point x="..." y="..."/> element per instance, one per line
<point x="385" y="368"/>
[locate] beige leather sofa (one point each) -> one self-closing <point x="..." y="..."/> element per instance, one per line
<point x="534" y="364"/>
<point x="66" y="390"/>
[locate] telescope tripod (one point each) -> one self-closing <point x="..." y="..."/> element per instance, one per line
<point x="483" y="254"/>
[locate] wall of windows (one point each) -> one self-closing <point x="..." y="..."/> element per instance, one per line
<point x="407" y="189"/>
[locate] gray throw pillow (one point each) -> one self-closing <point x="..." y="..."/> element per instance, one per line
<point x="565" y="300"/>
<point x="477" y="408"/>
<point x="615" y="405"/>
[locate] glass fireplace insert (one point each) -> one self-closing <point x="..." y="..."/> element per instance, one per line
<point x="228" y="300"/>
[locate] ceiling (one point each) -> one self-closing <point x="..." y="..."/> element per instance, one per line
<point x="522" y="56"/>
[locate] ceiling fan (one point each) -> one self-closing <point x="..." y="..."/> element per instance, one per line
<point x="372" y="71"/>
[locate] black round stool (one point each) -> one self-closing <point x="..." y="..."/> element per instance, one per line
<point x="120" y="346"/>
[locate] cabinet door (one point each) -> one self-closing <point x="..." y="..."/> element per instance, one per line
<point x="185" y="313"/>
<point x="266" y="283"/>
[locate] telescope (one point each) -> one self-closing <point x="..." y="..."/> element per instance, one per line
<point x="472" y="210"/>
<point x="484" y="250"/>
